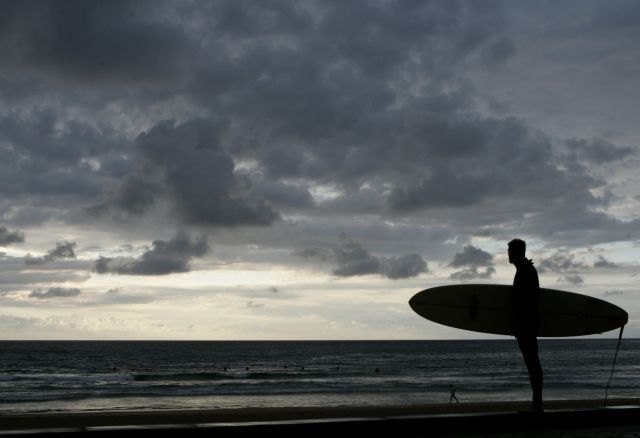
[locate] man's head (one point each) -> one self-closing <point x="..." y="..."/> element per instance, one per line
<point x="517" y="248"/>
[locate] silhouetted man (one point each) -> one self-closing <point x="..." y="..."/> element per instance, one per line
<point x="526" y="289"/>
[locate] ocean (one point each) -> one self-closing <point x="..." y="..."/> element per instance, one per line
<point x="58" y="376"/>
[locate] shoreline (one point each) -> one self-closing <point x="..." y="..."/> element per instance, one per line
<point x="239" y="416"/>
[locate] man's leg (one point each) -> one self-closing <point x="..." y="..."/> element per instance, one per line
<point x="529" y="348"/>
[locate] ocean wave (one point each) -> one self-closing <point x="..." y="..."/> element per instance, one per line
<point x="59" y="377"/>
<point x="162" y="373"/>
<point x="8" y="377"/>
<point x="237" y="375"/>
<point x="178" y="376"/>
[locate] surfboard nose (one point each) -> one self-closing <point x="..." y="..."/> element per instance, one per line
<point x="412" y="302"/>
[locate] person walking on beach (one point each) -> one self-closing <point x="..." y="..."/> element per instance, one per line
<point x="453" y="397"/>
<point x="526" y="289"/>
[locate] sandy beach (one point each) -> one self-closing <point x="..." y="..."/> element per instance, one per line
<point x="559" y="414"/>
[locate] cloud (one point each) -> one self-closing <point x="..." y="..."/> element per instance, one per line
<point x="238" y="113"/>
<point x="471" y="259"/>
<point x="488" y="165"/>
<point x="564" y="263"/>
<point x="284" y="195"/>
<point x="405" y="266"/>
<point x="353" y="260"/>
<point x="254" y="305"/>
<point x="18" y="276"/>
<point x="598" y="150"/>
<point x="17" y="323"/>
<point x="8" y="237"/>
<point x="573" y="279"/>
<point x="62" y="251"/>
<point x="185" y="165"/>
<point x="561" y="261"/>
<point x="319" y="253"/>
<point x="117" y="296"/>
<point x="45" y="156"/>
<point x="51" y="165"/>
<point x="44" y="134"/>
<point x="602" y="262"/>
<point x="369" y="99"/>
<point x="613" y="293"/>
<point x="344" y="120"/>
<point x="165" y="257"/>
<point x="54" y="292"/>
<point x="112" y="43"/>
<point x="131" y="196"/>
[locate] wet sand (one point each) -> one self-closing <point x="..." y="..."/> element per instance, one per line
<point x="562" y="418"/>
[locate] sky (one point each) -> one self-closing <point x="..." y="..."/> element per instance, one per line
<point x="271" y="170"/>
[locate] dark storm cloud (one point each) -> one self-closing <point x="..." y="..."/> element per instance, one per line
<point x="471" y="259"/>
<point x="370" y="100"/>
<point x="8" y="237"/>
<point x="328" y="95"/>
<point x="422" y="150"/>
<point x="385" y="146"/>
<point x="63" y="64"/>
<point x="325" y="96"/>
<point x="49" y="164"/>
<point x="405" y="266"/>
<point x="47" y="140"/>
<point x="353" y="260"/>
<point x="598" y="151"/>
<point x="186" y="165"/>
<point x="289" y="196"/>
<point x="134" y="195"/>
<point x="54" y="292"/>
<point x="319" y="253"/>
<point x="417" y="147"/>
<point x="501" y="160"/>
<point x="166" y="257"/>
<point x="63" y="250"/>
<point x="115" y="41"/>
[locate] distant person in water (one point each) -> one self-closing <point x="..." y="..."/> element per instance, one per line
<point x="526" y="289"/>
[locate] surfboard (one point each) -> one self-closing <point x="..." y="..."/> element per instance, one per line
<point x="487" y="308"/>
